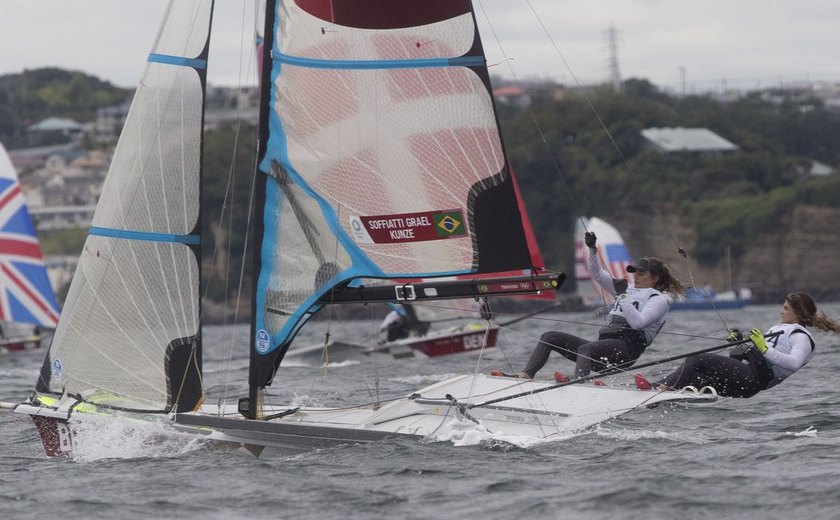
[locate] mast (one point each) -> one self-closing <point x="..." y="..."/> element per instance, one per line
<point x="251" y="407"/>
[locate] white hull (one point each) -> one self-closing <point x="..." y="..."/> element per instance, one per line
<point x="544" y="415"/>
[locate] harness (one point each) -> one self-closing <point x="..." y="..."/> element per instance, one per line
<point x="618" y="328"/>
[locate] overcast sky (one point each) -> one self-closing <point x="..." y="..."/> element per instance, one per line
<point x="709" y="43"/>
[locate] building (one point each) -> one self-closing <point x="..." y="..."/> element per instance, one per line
<point x="512" y="95"/>
<point x="62" y="217"/>
<point x="687" y="140"/>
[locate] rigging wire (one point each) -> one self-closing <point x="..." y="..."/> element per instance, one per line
<point x="229" y="191"/>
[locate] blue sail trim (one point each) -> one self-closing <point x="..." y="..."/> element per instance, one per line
<point x="361" y="264"/>
<point x="462" y="61"/>
<point x="145" y="235"/>
<point x="166" y="59"/>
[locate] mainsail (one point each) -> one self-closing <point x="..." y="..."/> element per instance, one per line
<point x="383" y="156"/>
<point x="130" y="336"/>
<point x="26" y="295"/>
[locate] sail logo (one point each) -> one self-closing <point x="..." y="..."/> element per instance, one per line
<point x="263" y="343"/>
<point x="56" y="369"/>
<point x="359" y="232"/>
<point x="408" y="227"/>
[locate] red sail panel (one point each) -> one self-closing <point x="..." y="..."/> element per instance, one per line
<point x="384" y="14"/>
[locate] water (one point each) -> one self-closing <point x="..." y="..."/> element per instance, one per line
<point x="772" y="456"/>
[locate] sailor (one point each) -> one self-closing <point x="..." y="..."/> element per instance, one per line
<point x="770" y="359"/>
<point x="401" y="322"/>
<point x="637" y="314"/>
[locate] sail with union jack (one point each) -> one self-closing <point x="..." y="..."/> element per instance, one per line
<point x="26" y="295"/>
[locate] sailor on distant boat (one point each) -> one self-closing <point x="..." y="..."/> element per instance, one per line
<point x="744" y="373"/>
<point x="401" y="322"/>
<point x="638" y="313"/>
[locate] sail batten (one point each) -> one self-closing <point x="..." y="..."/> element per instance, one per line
<point x="141" y="235"/>
<point x="464" y="61"/>
<point x="178" y="60"/>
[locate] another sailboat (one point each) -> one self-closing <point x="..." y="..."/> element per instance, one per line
<point x="705" y="298"/>
<point x="424" y="339"/>
<point x="381" y="159"/>
<point x="28" y="307"/>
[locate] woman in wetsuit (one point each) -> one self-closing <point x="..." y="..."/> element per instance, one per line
<point x="637" y="314"/>
<point x="772" y="358"/>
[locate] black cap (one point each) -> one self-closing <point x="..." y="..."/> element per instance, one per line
<point x="646" y="264"/>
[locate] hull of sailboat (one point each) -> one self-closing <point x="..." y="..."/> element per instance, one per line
<point x="20" y="344"/>
<point x="458" y="340"/>
<point x="55" y="435"/>
<point x="544" y="415"/>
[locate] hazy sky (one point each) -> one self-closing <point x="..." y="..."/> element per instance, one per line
<point x="748" y="43"/>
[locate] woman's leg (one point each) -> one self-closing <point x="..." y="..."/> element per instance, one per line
<point x="566" y="344"/>
<point x="598" y="355"/>
<point x="728" y="376"/>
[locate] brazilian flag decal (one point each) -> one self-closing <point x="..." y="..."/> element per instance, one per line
<point x="449" y="224"/>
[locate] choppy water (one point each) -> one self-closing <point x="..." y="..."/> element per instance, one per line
<point x="773" y="456"/>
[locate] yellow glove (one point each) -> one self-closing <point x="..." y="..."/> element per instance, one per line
<point x="734" y="335"/>
<point x="757" y="338"/>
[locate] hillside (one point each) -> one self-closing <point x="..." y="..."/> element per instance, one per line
<point x="743" y="200"/>
<point x="36" y="94"/>
<point x="759" y="201"/>
<point x="797" y="254"/>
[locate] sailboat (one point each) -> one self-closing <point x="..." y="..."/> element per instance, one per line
<point x="428" y="334"/>
<point x="706" y="298"/>
<point x="28" y="306"/>
<point x="380" y="159"/>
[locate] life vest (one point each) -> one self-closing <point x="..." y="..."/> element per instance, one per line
<point x="783" y="344"/>
<point x="638" y="298"/>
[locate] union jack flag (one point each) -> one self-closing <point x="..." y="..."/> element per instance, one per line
<point x="26" y="295"/>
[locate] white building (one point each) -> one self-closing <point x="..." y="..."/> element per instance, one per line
<point x="687" y="140"/>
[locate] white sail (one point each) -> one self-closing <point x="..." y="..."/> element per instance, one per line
<point x="134" y="297"/>
<point x="26" y="296"/>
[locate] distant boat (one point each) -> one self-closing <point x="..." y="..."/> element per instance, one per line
<point x="705" y="298"/>
<point x="28" y="304"/>
<point x="701" y="299"/>
<point x="467" y="337"/>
